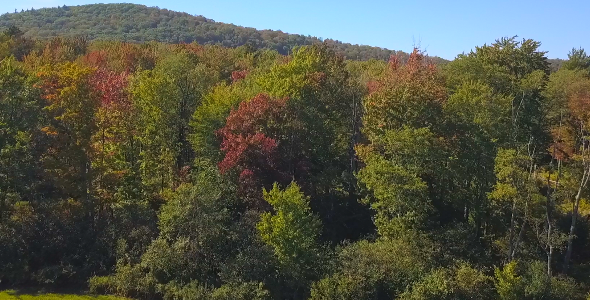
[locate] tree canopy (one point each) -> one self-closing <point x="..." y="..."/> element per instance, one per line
<point x="197" y="171"/>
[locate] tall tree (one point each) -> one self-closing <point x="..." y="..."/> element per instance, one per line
<point x="404" y="154"/>
<point x="71" y="106"/>
<point x="292" y="231"/>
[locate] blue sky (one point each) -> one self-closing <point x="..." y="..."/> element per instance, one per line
<point x="442" y="28"/>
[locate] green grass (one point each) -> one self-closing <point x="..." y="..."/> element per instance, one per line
<point x="15" y="295"/>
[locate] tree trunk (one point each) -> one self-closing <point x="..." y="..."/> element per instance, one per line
<point x="520" y="234"/>
<point x="549" y="225"/>
<point x="511" y="232"/>
<point x="570" y="239"/>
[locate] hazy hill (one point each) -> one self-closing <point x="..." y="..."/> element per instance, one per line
<point x="139" y="23"/>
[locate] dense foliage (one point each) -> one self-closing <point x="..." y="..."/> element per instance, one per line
<point x="187" y="171"/>
<point x="17" y="295"/>
<point x="138" y="23"/>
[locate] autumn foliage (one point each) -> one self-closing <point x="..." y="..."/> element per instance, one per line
<point x="159" y="171"/>
<point x="411" y="89"/>
<point x="248" y="141"/>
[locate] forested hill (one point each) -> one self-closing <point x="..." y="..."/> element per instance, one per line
<point x="139" y="23"/>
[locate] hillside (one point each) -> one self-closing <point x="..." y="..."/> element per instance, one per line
<point x="138" y="23"/>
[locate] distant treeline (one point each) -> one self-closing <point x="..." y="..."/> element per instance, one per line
<point x="138" y="23"/>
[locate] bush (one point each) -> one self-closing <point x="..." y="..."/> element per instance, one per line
<point x="241" y="291"/>
<point x="376" y="270"/>
<point x="191" y="291"/>
<point x="101" y="285"/>
<point x="128" y="281"/>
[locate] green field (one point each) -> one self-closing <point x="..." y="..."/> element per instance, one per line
<point x="14" y="295"/>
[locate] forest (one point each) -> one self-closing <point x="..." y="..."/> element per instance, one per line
<point x="196" y="171"/>
<point x="138" y="23"/>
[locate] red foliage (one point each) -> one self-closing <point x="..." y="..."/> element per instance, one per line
<point x="96" y="59"/>
<point x="579" y="102"/>
<point x="394" y="61"/>
<point x="317" y="78"/>
<point x="239" y="75"/>
<point x="49" y="85"/>
<point x="563" y="144"/>
<point x="416" y="62"/>
<point x="244" y="140"/>
<point x="122" y="57"/>
<point x="418" y="70"/>
<point x="373" y="86"/>
<point x="111" y="87"/>
<point x="246" y="173"/>
<point x="250" y="142"/>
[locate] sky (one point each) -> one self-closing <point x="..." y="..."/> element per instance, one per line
<point x="441" y="28"/>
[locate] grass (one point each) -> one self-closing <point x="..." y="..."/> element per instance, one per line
<point x="16" y="295"/>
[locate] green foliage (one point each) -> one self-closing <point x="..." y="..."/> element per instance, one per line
<point x="476" y="103"/>
<point x="577" y="60"/>
<point x="376" y="270"/>
<point x="393" y="174"/>
<point x="155" y="97"/>
<point x="411" y="94"/>
<point x="558" y="91"/>
<point x="515" y="70"/>
<point x="154" y="170"/>
<point x="241" y="291"/>
<point x="192" y="290"/>
<point x="462" y="282"/>
<point x="508" y="284"/>
<point x="20" y="111"/>
<point x="513" y="173"/>
<point x="292" y="231"/>
<point x="193" y="224"/>
<point x="14" y="295"/>
<point x="13" y="43"/>
<point x="405" y="155"/>
<point x="534" y="283"/>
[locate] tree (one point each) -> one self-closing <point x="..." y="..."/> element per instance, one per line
<point x="461" y="282"/>
<point x="376" y="270"/>
<point x="513" y="69"/>
<point x="577" y="60"/>
<point x="514" y="281"/>
<point x="401" y="195"/>
<point x="156" y="99"/>
<point x="113" y="141"/>
<point x="567" y="110"/>
<point x="317" y="154"/>
<point x="578" y="105"/>
<point x="165" y="99"/>
<point x="400" y="123"/>
<point x="13" y="42"/>
<point x="505" y="81"/>
<point x="71" y="106"/>
<point x="196" y="237"/>
<point x="558" y="93"/>
<point x="292" y="231"/>
<point x="250" y="143"/>
<point x="516" y="192"/>
<point x="21" y="116"/>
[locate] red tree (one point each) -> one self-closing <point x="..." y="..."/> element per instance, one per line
<point x="250" y="142"/>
